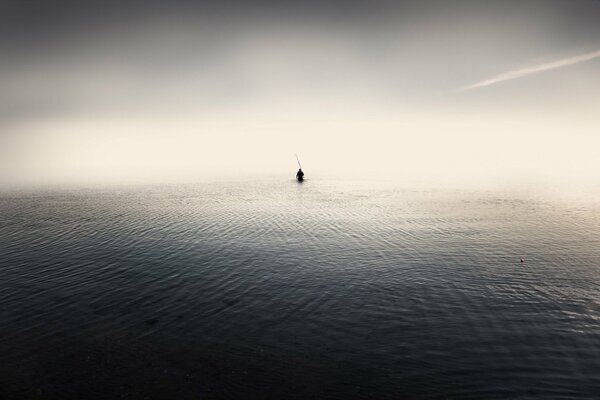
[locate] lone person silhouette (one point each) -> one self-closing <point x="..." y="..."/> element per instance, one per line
<point x="300" y="175"/>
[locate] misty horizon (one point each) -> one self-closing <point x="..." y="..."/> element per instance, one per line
<point x="318" y="199"/>
<point x="148" y="92"/>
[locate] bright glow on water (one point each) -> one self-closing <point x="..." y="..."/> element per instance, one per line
<point x="325" y="289"/>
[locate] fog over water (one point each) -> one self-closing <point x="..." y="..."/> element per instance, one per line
<point x="148" y="92"/>
<point x="444" y="244"/>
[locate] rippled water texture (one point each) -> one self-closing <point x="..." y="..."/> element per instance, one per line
<point x="284" y="290"/>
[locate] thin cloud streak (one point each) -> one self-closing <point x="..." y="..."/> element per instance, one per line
<point x="520" y="73"/>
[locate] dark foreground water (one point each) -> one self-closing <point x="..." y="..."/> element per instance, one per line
<point x="278" y="290"/>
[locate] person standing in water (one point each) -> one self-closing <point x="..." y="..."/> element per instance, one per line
<point x="299" y="174"/>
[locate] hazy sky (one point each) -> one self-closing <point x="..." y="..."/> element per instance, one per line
<point x="132" y="91"/>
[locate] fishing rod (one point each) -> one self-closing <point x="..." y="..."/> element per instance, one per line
<point x="297" y="159"/>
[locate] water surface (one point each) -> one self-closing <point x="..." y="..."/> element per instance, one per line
<point x="325" y="289"/>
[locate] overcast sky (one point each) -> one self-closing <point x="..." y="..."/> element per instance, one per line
<point x="435" y="90"/>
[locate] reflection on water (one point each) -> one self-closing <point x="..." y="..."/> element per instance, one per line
<point x="280" y="290"/>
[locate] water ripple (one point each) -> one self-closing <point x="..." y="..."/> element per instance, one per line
<point x="321" y="290"/>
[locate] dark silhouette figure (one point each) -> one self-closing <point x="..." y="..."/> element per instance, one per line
<point x="300" y="175"/>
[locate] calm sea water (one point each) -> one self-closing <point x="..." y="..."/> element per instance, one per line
<point x="276" y="290"/>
